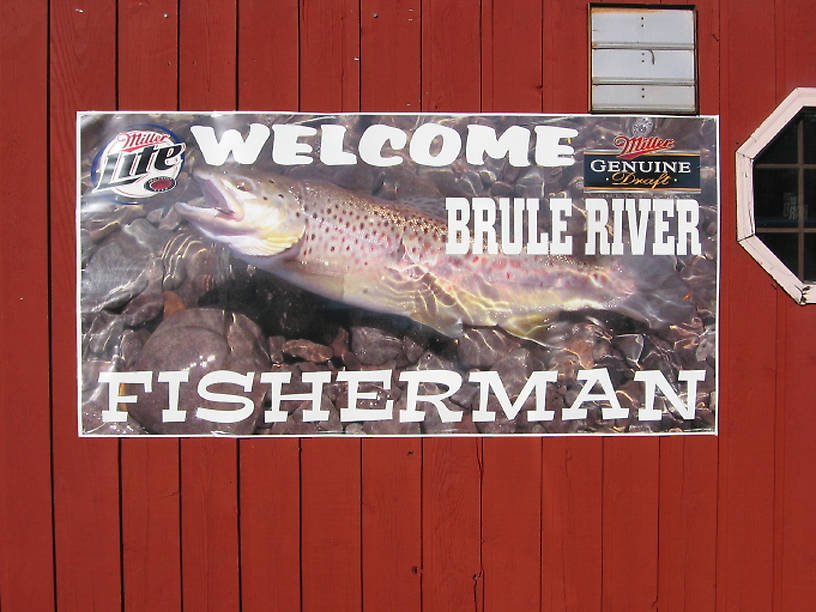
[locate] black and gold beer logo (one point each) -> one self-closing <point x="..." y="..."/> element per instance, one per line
<point x="642" y="164"/>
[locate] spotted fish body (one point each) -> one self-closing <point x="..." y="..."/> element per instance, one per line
<point x="388" y="257"/>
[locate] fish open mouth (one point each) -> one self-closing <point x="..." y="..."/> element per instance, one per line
<point x="216" y="199"/>
<point x="214" y="208"/>
<point x="213" y="196"/>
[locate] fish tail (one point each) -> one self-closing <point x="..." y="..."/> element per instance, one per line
<point x="658" y="294"/>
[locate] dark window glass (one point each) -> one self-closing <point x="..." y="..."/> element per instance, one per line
<point x="810" y="258"/>
<point x="785" y="195"/>
<point x="810" y="198"/>
<point x="782" y="149"/>
<point x="775" y="197"/>
<point x="809" y="118"/>
<point x="784" y="246"/>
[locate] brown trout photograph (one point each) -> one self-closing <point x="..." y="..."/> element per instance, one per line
<point x="289" y="274"/>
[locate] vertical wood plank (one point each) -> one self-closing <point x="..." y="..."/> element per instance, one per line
<point x="451" y="525"/>
<point x="565" y="85"/>
<point x="630" y="505"/>
<point x="331" y="556"/>
<point x="270" y="525"/>
<point x="390" y="51"/>
<point x="209" y="468"/>
<point x="794" y="47"/>
<point x="748" y="313"/>
<point x="207" y="55"/>
<point x="269" y="469"/>
<point x="85" y="472"/>
<point x="630" y="498"/>
<point x="688" y="524"/>
<point x="795" y="585"/>
<point x="511" y="484"/>
<point x="572" y="518"/>
<point x="512" y="56"/>
<point x="688" y="476"/>
<point x="708" y="56"/>
<point x="794" y="563"/>
<point x="795" y="68"/>
<point x="329" y="55"/>
<point x="391" y="468"/>
<point x="572" y="469"/>
<point x="147" y="76"/>
<point x="451" y="56"/>
<point x="209" y="525"/>
<point x="150" y="525"/>
<point x="149" y="468"/>
<point x="268" y="55"/>
<point x="511" y="524"/>
<point x="330" y="525"/>
<point x="452" y="576"/>
<point x="781" y="481"/>
<point x="392" y="524"/>
<point x="26" y="560"/>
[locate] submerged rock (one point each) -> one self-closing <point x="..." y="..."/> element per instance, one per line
<point x="198" y="341"/>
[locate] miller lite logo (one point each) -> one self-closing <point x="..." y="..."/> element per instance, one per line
<point x="138" y="164"/>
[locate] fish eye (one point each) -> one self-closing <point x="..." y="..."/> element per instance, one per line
<point x="242" y="186"/>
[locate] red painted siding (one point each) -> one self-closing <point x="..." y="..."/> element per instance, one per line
<point x="149" y="473"/>
<point x="26" y="526"/>
<point x="391" y="480"/>
<point x="438" y="524"/>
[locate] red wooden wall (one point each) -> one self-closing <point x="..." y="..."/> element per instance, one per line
<point x="692" y="524"/>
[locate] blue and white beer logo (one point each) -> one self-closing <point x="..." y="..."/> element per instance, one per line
<point x="138" y="164"/>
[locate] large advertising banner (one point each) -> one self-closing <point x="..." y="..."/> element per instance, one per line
<point x="268" y="274"/>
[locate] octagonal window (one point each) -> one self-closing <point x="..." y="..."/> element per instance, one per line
<point x="776" y="195"/>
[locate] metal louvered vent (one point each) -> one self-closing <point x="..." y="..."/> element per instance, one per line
<point x="643" y="60"/>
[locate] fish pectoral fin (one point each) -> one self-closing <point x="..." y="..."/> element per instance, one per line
<point x="262" y="246"/>
<point x="417" y="297"/>
<point x="533" y="327"/>
<point x="312" y="279"/>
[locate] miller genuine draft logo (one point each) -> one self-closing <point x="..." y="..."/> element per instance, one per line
<point x="642" y="164"/>
<point x="138" y="164"/>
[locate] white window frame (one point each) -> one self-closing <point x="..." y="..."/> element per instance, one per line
<point x="778" y="120"/>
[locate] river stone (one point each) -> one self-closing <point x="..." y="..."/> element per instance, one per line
<point x="630" y="346"/>
<point x="340" y="344"/>
<point x="92" y="422"/>
<point x="148" y="235"/>
<point x="130" y="346"/>
<point x="481" y="347"/>
<point x="103" y="334"/>
<point x="372" y="346"/>
<point x="514" y="371"/>
<point x="412" y="349"/>
<point x="307" y="350"/>
<point x="119" y="270"/>
<point x="148" y="305"/>
<point x="501" y="425"/>
<point x="275" y="347"/>
<point x="295" y="425"/>
<point x="199" y="341"/>
<point x="105" y="220"/>
<point x="391" y="428"/>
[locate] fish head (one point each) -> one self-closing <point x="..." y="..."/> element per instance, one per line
<point x="256" y="215"/>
